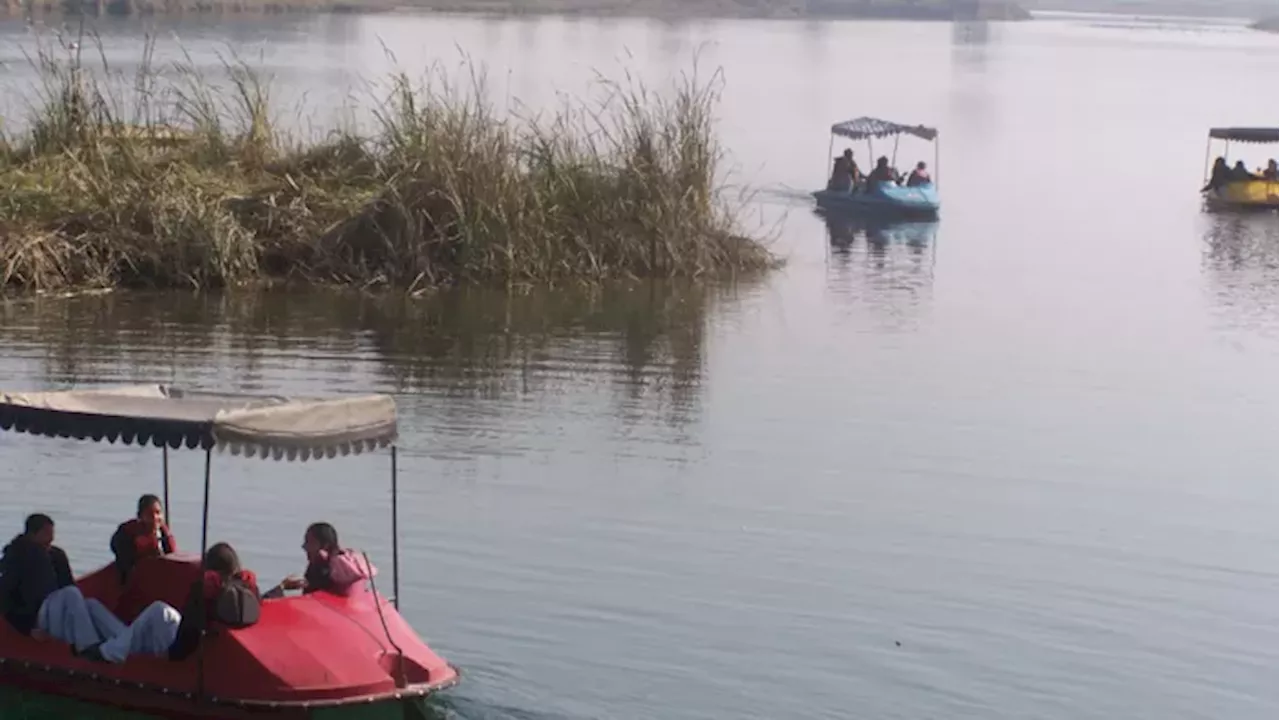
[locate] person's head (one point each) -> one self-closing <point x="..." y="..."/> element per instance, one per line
<point x="1220" y="162"/>
<point x="222" y="559"/>
<point x="39" y="528"/>
<point x="1240" y="165"/>
<point x="320" y="541"/>
<point x="1271" y="164"/>
<point x="920" y="165"/>
<point x="882" y="162"/>
<point x="848" y="154"/>
<point x="150" y="511"/>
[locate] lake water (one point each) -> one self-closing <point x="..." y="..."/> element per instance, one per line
<point x="1019" y="464"/>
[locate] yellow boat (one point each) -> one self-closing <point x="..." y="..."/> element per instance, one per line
<point x="1255" y="193"/>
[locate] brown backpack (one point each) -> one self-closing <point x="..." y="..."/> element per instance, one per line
<point x="236" y="605"/>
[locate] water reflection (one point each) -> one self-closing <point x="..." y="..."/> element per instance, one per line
<point x="1240" y="264"/>
<point x="844" y="231"/>
<point x="970" y="46"/>
<point x="643" y="340"/>
<point x="970" y="32"/>
<point x="883" y="264"/>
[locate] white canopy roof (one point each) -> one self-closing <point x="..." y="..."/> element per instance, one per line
<point x="263" y="425"/>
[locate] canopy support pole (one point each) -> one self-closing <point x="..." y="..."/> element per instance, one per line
<point x="937" y="171"/>
<point x="1208" y="153"/>
<point x="894" y="162"/>
<point x="831" y="146"/>
<point x="204" y="549"/>
<point x="395" y="530"/>
<point x="164" y="452"/>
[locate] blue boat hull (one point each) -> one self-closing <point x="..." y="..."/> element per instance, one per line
<point x="919" y="201"/>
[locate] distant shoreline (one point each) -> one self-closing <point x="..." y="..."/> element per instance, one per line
<point x="918" y="10"/>
<point x="1271" y="24"/>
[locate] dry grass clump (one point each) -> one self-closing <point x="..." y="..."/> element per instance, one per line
<point x="187" y="182"/>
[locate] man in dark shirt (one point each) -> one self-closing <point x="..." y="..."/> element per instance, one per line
<point x="37" y="592"/>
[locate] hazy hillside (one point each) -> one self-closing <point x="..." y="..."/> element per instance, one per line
<point x="1251" y="9"/>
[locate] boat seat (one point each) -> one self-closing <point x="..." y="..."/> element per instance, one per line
<point x="168" y="578"/>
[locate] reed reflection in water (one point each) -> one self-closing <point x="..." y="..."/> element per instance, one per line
<point x="466" y="340"/>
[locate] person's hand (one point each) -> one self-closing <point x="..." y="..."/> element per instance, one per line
<point x="293" y="582"/>
<point x="38" y="634"/>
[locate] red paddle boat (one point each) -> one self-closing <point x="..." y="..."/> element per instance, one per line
<point x="320" y="655"/>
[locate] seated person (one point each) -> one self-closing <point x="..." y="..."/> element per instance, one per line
<point x="882" y="172"/>
<point x="1221" y="175"/>
<point x="226" y="596"/>
<point x="1271" y="173"/>
<point x="1240" y="172"/>
<point x="845" y="173"/>
<point x="37" y="592"/>
<point x="329" y="566"/>
<point x="919" y="176"/>
<point x="146" y="535"/>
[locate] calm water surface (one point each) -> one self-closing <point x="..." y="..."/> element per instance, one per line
<point x="1019" y="464"/>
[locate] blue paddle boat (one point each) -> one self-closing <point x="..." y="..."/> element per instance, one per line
<point x="913" y="198"/>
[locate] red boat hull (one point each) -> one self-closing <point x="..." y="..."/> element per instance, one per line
<point x="305" y="653"/>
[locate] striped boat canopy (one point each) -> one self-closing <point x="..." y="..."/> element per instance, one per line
<point x="262" y="425"/>
<point x="869" y="127"/>
<point x="1246" y="134"/>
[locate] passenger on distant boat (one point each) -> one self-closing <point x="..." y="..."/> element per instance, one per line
<point x="37" y="590"/>
<point x="919" y="176"/>
<point x="845" y="175"/>
<point x="226" y="596"/>
<point x="1240" y="172"/>
<point x="1221" y="175"/>
<point x="146" y="535"/>
<point x="329" y="566"/>
<point x="882" y="172"/>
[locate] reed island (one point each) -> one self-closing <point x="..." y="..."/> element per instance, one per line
<point x="180" y="181"/>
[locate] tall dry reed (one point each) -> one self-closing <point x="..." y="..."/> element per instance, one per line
<point x="179" y="179"/>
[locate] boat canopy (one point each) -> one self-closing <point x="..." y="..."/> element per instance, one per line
<point x="263" y="425"/>
<point x="1246" y="134"/>
<point x="869" y="127"/>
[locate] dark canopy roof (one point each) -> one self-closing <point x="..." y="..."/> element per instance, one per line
<point x="869" y="127"/>
<point x="1246" y="134"/>
<point x="264" y="425"/>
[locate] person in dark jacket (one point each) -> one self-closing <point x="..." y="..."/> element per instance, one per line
<point x="226" y="595"/>
<point x="1219" y="176"/>
<point x="844" y="174"/>
<point x="37" y="591"/>
<point x="146" y="535"/>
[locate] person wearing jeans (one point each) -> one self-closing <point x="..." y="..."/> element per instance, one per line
<point x="38" y="594"/>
